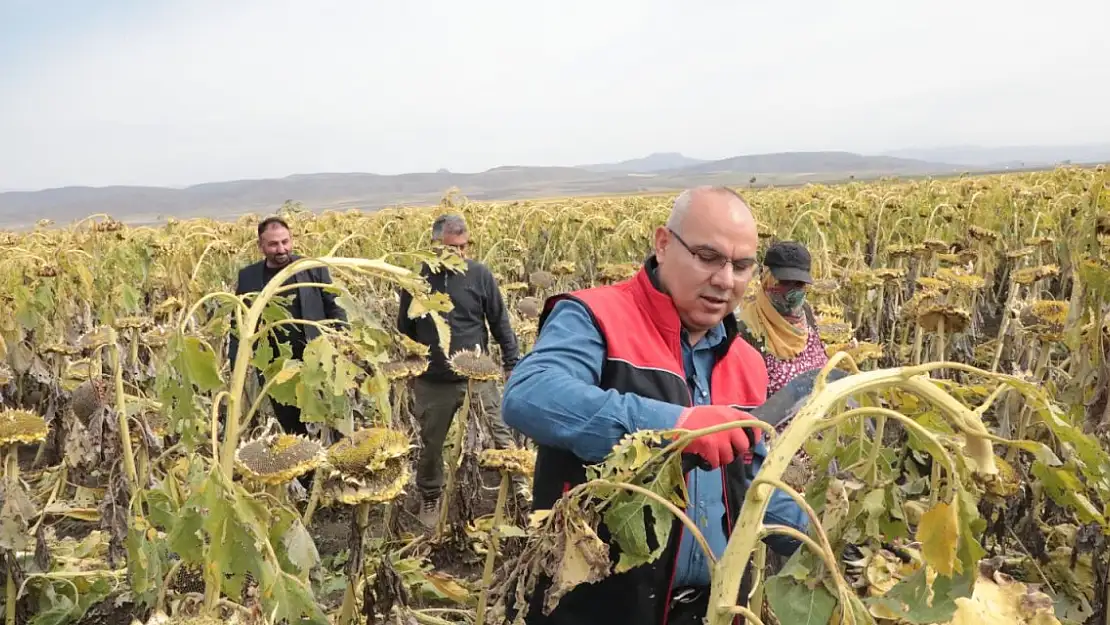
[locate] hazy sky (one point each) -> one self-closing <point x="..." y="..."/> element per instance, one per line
<point x="102" y="92"/>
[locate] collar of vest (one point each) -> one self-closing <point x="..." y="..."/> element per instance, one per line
<point x="649" y="294"/>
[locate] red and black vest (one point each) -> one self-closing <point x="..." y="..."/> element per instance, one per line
<point x="642" y="334"/>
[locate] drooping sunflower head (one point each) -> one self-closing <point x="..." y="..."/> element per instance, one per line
<point x="827" y="286"/>
<point x="932" y="285"/>
<point x="955" y="319"/>
<point x="541" y="279"/>
<point x="395" y="370"/>
<point x="279" y="458"/>
<point x="417" y="365"/>
<point x="899" y="251"/>
<point x="1029" y="275"/>
<point x="517" y="461"/>
<point x="1020" y="252"/>
<point x="21" y="426"/>
<point x="983" y="234"/>
<point x="157" y="337"/>
<point x="367" y="450"/>
<point x="616" y="272"/>
<point x="134" y="322"/>
<point x="961" y="280"/>
<point x="935" y="245"/>
<point x="529" y="307"/>
<point x="414" y="348"/>
<point x="889" y="274"/>
<point x="1042" y="241"/>
<point x="474" y="365"/>
<point x="514" y="287"/>
<point x="97" y="337"/>
<point x="1046" y="318"/>
<point x="368" y="466"/>
<point x="563" y="268"/>
<point x="61" y="349"/>
<point x="833" y="330"/>
<point x="91" y="396"/>
<point x="864" y="351"/>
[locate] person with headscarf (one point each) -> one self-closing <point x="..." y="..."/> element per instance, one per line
<point x="778" y="321"/>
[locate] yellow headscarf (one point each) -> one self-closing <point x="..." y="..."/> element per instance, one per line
<point x="780" y="337"/>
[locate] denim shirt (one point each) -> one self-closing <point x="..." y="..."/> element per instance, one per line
<point x="553" y="398"/>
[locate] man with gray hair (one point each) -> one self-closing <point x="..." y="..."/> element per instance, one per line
<point x="439" y="392"/>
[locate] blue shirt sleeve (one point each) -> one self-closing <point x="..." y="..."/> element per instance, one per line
<point x="781" y="510"/>
<point x="553" y="395"/>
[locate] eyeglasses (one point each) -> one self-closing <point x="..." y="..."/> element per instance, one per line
<point x="713" y="260"/>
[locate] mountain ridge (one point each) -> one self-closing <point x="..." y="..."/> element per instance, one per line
<point x="371" y="191"/>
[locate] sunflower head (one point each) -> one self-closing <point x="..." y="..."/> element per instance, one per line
<point x="955" y="320"/>
<point x="616" y="272"/>
<point x="864" y="351"/>
<point x="932" y="285"/>
<point x="61" y="349"/>
<point x="899" y="251"/>
<point x="368" y="466"/>
<point x="1020" y="252"/>
<point x="935" y="245"/>
<point x="136" y="322"/>
<point x="563" y="268"/>
<point x="21" y="426"/>
<point x="983" y="234"/>
<point x="514" y="287"/>
<point x="279" y="458"/>
<point x="367" y="450"/>
<point x="474" y="365"/>
<point x="889" y="274"/>
<point x="1029" y="275"/>
<point x="417" y="365"/>
<point x="395" y="370"/>
<point x="542" y="279"/>
<point x="517" y="461"/>
<point x="157" y="337"/>
<point x="414" y="348"/>
<point x="90" y="396"/>
<point x="529" y="307"/>
<point x="834" y="330"/>
<point x="1043" y="241"/>
<point x="827" y="286"/>
<point x="1046" y="318"/>
<point x="961" y="280"/>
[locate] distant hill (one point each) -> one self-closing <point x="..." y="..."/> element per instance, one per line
<point x="818" y="163"/>
<point x="652" y="163"/>
<point x="1012" y="156"/>
<point x="653" y="173"/>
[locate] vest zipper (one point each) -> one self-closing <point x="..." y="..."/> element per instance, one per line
<point x="681" y="527"/>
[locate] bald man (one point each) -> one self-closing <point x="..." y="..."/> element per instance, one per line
<point x="658" y="351"/>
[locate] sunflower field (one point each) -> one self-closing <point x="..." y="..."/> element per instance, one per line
<point x="958" y="474"/>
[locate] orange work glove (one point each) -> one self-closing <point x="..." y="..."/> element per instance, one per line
<point x="720" y="448"/>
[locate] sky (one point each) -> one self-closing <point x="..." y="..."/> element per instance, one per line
<point x="171" y="93"/>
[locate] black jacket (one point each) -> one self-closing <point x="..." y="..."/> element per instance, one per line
<point x="315" y="303"/>
<point x="477" y="300"/>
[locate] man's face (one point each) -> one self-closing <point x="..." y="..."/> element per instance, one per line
<point x="457" y="242"/>
<point x="696" y="263"/>
<point x="276" y="244"/>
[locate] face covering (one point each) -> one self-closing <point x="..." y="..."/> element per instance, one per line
<point x="788" y="303"/>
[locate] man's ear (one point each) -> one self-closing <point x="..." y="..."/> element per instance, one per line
<point x="662" y="239"/>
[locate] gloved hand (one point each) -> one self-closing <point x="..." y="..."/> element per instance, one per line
<point x="720" y="448"/>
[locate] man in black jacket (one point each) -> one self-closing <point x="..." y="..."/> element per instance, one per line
<point x="439" y="392"/>
<point x="311" y="303"/>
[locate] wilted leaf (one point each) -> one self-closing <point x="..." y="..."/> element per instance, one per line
<point x="938" y="534"/>
<point x="580" y="557"/>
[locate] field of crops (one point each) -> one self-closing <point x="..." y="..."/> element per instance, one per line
<point x="967" y="482"/>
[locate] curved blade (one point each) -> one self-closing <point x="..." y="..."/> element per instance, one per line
<point x="783" y="405"/>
